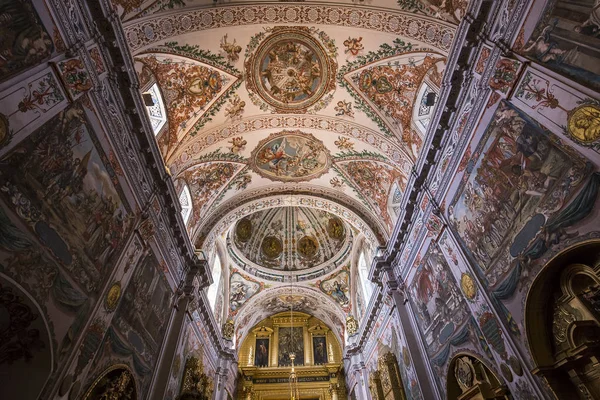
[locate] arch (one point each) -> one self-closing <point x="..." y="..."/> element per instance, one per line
<point x="118" y="379"/>
<point x="27" y="352"/>
<point x="470" y="377"/>
<point x="151" y="30"/>
<point x="240" y="206"/>
<point x="562" y="321"/>
<point x="267" y="303"/>
<point x="397" y="152"/>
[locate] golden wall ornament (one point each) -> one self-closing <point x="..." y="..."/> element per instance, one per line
<point x="228" y="329"/>
<point x="112" y="297"/>
<point x="389" y="373"/>
<point x="351" y="325"/>
<point x="195" y="384"/>
<point x="468" y="286"/>
<point x="583" y="123"/>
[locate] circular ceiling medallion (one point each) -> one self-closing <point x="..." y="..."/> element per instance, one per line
<point x="290" y="156"/>
<point x="308" y="246"/>
<point x="243" y="230"/>
<point x="271" y="247"/>
<point x="335" y="229"/>
<point x="290" y="68"/>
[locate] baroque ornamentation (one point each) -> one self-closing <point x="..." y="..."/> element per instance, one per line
<point x="467" y="284"/>
<point x="290" y="68"/>
<point x="186" y="88"/>
<point x="415" y="27"/>
<point x="75" y="76"/>
<point x="583" y="123"/>
<point x="351" y="325"/>
<point x="112" y="297"/>
<point x="290" y="156"/>
<point x="228" y="329"/>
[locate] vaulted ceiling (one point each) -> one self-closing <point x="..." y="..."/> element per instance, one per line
<point x="290" y="120"/>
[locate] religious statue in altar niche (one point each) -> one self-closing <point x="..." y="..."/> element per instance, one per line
<point x="291" y="340"/>
<point x="261" y="357"/>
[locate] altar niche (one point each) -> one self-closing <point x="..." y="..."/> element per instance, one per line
<point x="265" y="365"/>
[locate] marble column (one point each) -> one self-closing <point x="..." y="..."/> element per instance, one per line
<point x="160" y="380"/>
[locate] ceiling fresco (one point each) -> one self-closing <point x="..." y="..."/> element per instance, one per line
<point x="290" y="156"/>
<point x="290" y="68"/>
<point x="293" y="125"/>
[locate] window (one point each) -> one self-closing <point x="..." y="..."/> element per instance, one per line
<point x="216" y="276"/>
<point x="185" y="199"/>
<point x="422" y="112"/>
<point x="363" y="272"/>
<point x="394" y="201"/>
<point x="156" y="111"/>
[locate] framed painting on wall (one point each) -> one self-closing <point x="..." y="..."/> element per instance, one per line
<point x="291" y="340"/>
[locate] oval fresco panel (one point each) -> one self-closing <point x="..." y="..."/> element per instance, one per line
<point x="290" y="157"/>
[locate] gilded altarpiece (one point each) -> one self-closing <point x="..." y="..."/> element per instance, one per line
<point x="317" y="378"/>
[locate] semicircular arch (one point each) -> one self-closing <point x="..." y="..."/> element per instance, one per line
<point x="279" y="299"/>
<point x="303" y="195"/>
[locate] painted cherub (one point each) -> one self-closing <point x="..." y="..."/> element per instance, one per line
<point x="235" y="109"/>
<point x="237" y="144"/>
<point x="232" y="50"/>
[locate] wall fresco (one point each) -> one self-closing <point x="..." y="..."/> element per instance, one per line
<point x="518" y="178"/>
<point x="562" y="109"/>
<point x="141" y="320"/>
<point x="337" y="287"/>
<point x="24" y="42"/>
<point x="28" y="105"/>
<point x="241" y="289"/>
<point x="60" y="173"/>
<point x="567" y="39"/>
<point x="437" y="301"/>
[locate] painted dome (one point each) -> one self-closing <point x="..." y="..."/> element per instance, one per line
<point x="290" y="239"/>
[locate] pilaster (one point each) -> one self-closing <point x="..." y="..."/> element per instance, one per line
<point x="160" y="380"/>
